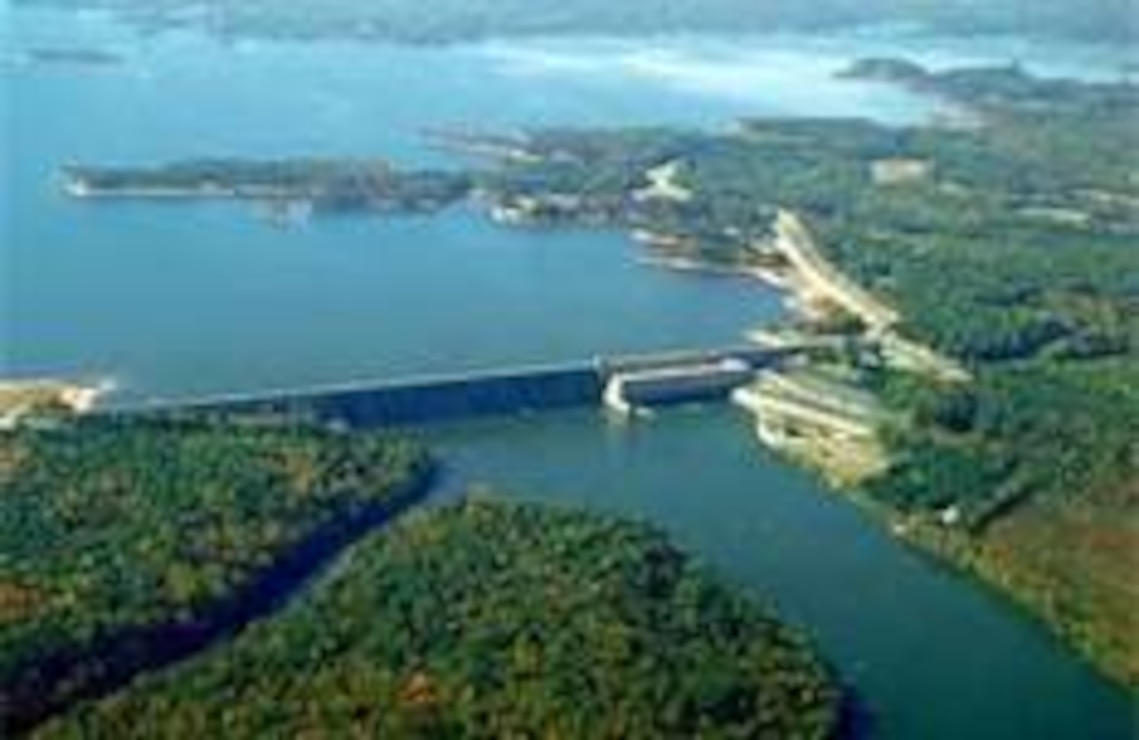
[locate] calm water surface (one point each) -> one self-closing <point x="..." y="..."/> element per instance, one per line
<point x="177" y="300"/>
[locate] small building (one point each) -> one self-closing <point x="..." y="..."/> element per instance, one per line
<point x="900" y="171"/>
<point x="682" y="383"/>
<point x="950" y="516"/>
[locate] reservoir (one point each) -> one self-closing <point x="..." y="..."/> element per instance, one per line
<point x="178" y="300"/>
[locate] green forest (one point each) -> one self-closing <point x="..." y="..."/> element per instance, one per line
<point x="326" y="184"/>
<point x="491" y="619"/>
<point x="121" y="539"/>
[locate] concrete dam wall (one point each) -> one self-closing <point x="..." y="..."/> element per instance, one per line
<point x="495" y="395"/>
<point x="417" y="401"/>
<point x="622" y="383"/>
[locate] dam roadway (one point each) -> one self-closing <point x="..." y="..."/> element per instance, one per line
<point x="623" y="382"/>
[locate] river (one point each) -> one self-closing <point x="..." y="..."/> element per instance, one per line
<point x="176" y="300"/>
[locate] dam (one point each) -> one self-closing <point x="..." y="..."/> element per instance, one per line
<point x="622" y="382"/>
<point x="628" y="391"/>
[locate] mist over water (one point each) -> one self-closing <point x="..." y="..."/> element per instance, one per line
<point x="759" y="77"/>
<point x="790" y="74"/>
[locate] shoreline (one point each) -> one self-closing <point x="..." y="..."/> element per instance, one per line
<point x="934" y="535"/>
<point x="23" y="398"/>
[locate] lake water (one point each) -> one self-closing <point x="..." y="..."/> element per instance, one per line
<point x="177" y="300"/>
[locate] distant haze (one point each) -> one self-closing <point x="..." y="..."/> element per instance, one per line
<point x="442" y="20"/>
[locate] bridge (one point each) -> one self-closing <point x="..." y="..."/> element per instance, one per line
<point x="623" y="382"/>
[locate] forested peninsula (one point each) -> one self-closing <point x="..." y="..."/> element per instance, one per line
<point x="321" y="184"/>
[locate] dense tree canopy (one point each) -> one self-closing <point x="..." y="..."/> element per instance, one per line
<point x="488" y="619"/>
<point x="113" y="528"/>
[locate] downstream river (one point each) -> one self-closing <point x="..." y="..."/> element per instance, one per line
<point x="176" y="300"/>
